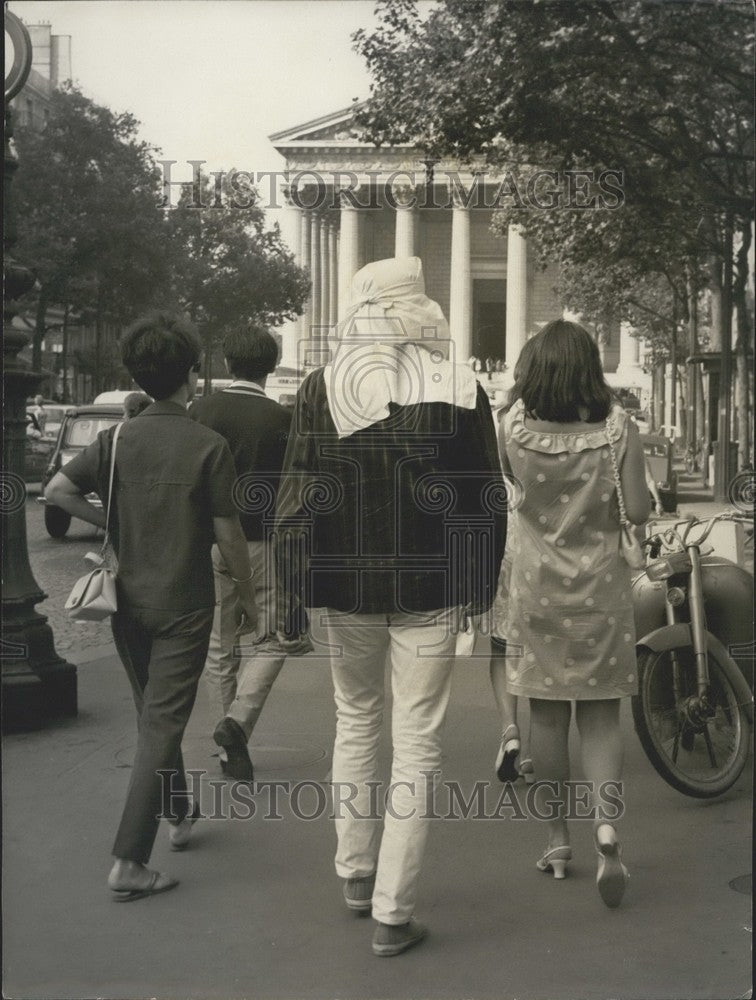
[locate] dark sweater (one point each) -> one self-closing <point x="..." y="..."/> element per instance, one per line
<point x="257" y="430"/>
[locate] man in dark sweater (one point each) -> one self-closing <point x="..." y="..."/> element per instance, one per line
<point x="257" y="430"/>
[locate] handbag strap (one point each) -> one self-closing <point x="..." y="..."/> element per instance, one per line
<point x="617" y="483"/>
<point x="110" y="484"/>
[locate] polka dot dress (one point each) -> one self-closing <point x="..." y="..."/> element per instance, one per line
<point x="567" y="611"/>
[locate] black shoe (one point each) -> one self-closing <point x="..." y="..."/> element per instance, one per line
<point x="230" y="735"/>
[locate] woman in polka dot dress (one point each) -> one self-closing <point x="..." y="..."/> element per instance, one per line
<point x="570" y="618"/>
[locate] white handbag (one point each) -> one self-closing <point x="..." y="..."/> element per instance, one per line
<point x="466" y="636"/>
<point x="93" y="597"/>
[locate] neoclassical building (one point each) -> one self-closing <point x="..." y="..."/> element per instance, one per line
<point x="355" y="203"/>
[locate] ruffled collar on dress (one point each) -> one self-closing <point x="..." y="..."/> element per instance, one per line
<point x="571" y="441"/>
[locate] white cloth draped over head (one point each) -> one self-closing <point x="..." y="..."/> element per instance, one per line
<point x="393" y="346"/>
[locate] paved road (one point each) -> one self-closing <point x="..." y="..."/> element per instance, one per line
<point x="259" y="915"/>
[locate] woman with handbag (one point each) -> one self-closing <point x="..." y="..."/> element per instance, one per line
<point x="167" y="484"/>
<point x="569" y="624"/>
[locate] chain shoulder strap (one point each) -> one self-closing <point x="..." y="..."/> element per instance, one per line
<point x="617" y="482"/>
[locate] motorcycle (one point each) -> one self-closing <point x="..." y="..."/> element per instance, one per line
<point x="693" y="614"/>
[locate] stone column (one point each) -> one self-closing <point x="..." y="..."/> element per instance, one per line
<point x="315" y="298"/>
<point x="325" y="273"/>
<point x="405" y="214"/>
<point x="291" y="331"/>
<point x="517" y="295"/>
<point x="333" y="274"/>
<point x="350" y="252"/>
<point x="460" y="283"/>
<point x="629" y="348"/>
<point x="305" y="251"/>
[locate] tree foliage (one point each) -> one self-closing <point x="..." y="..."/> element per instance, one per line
<point x="227" y="268"/>
<point x="89" y="218"/>
<point x="94" y="227"/>
<point x="650" y="87"/>
<point x="659" y="91"/>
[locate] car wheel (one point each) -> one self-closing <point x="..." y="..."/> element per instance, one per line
<point x="57" y="522"/>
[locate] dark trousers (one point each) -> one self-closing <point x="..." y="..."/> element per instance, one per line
<point x="164" y="654"/>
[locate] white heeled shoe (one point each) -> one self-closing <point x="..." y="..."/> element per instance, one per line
<point x="555" y="859"/>
<point x="612" y="876"/>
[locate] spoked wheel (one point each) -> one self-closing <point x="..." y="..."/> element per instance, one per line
<point x="699" y="754"/>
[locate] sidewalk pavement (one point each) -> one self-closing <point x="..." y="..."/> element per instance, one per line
<point x="259" y="912"/>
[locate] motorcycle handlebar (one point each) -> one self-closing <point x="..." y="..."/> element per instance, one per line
<point x="671" y="535"/>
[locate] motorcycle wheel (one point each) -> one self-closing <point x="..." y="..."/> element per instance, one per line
<point x="702" y="760"/>
<point x="57" y="522"/>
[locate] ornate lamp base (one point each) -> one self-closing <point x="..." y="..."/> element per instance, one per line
<point x="37" y="684"/>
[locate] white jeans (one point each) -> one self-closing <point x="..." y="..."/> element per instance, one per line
<point x="420" y="649"/>
<point x="239" y="676"/>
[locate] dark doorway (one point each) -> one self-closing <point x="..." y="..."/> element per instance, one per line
<point x="489" y="318"/>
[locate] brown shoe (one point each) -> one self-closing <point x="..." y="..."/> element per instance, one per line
<point x="393" y="939"/>
<point x="358" y="893"/>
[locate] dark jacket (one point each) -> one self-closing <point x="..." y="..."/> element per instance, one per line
<point x="408" y="514"/>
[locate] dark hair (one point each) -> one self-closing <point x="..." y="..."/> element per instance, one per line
<point x="520" y="365"/>
<point x="135" y="403"/>
<point x="159" y="350"/>
<point x="559" y="372"/>
<point x="251" y="352"/>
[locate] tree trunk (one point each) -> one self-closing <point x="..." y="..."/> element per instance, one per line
<point x="744" y="334"/>
<point x="723" y="464"/>
<point x="40" y="329"/>
<point x="702" y="424"/>
<point x="208" y="366"/>
<point x="97" y="380"/>
<point x="694" y="404"/>
<point x="64" y="355"/>
<point x="673" y="378"/>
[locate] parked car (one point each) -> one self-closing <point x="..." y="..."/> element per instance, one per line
<point x="659" y="453"/>
<point x="81" y="425"/>
<point x="38" y="450"/>
<point x="54" y="413"/>
<point x="112" y="396"/>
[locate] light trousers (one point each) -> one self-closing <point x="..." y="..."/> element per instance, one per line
<point x="239" y="675"/>
<point x="420" y="651"/>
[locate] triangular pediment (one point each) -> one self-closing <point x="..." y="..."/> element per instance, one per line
<point x="337" y="127"/>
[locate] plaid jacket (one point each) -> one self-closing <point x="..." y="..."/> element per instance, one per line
<point x="408" y="514"/>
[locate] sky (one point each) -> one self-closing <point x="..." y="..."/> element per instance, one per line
<point x="211" y="79"/>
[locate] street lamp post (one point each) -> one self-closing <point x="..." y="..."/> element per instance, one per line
<point x="37" y="684"/>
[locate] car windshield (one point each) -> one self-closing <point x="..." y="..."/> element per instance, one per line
<point x="55" y="414"/>
<point x="83" y="430"/>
